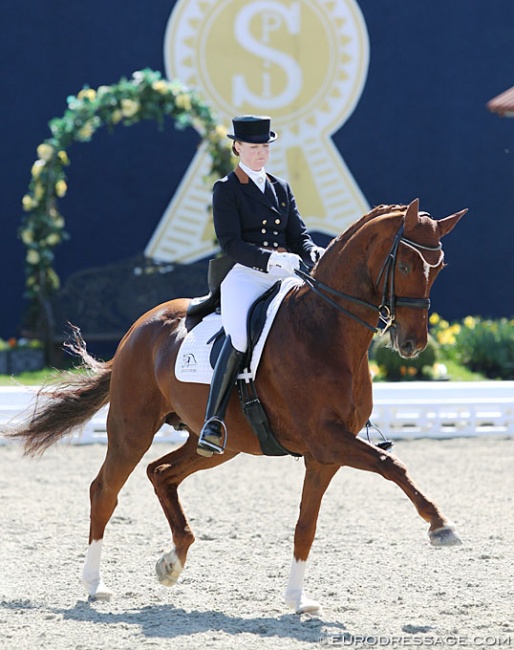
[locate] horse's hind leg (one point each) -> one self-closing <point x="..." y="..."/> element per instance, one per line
<point x="166" y="474"/>
<point x="316" y="481"/>
<point x="127" y="445"/>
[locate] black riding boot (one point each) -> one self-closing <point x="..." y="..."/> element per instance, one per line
<point x="213" y="436"/>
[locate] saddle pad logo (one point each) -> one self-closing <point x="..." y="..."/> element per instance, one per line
<point x="188" y="363"/>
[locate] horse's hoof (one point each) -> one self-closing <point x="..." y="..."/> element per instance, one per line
<point x="445" y="536"/>
<point x="304" y="605"/>
<point x="168" y="569"/>
<point x="312" y="608"/>
<point x="96" y="589"/>
<point x="104" y="595"/>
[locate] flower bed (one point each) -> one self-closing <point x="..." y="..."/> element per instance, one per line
<point x="21" y="355"/>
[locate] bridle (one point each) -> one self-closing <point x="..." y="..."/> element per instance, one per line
<point x="390" y="301"/>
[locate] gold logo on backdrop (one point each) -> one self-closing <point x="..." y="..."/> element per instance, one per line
<point x="304" y="62"/>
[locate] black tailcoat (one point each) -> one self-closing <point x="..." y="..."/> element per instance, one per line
<point x="249" y="224"/>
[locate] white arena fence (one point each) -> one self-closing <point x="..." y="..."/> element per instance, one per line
<point x="401" y="411"/>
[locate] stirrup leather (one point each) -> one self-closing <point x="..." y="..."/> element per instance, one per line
<point x="208" y="444"/>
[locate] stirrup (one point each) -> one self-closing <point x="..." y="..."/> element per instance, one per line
<point x="208" y="447"/>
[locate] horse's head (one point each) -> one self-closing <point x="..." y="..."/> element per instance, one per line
<point x="404" y="264"/>
<point x="386" y="261"/>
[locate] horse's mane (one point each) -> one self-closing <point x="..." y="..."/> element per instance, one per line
<point x="377" y="211"/>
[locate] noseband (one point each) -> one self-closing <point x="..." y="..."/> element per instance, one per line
<point x="387" y="308"/>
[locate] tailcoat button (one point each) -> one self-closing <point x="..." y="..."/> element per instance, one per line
<point x="277" y="221"/>
<point x="264" y="243"/>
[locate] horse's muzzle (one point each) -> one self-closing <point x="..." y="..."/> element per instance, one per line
<point x="407" y="347"/>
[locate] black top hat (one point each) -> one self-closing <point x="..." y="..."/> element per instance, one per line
<point x="252" y="128"/>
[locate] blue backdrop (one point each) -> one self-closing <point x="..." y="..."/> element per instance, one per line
<point x="421" y="129"/>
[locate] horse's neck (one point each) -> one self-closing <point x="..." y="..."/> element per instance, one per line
<point x="344" y="265"/>
<point x="336" y="337"/>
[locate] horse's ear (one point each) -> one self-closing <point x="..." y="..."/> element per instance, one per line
<point x="446" y="225"/>
<point x="412" y="215"/>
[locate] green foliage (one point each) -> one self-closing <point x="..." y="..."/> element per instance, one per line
<point x="393" y="367"/>
<point x="485" y="346"/>
<point x="146" y="96"/>
<point x="467" y="350"/>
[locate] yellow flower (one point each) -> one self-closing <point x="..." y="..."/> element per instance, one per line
<point x="58" y="220"/>
<point x="116" y="116"/>
<point x="129" y="107"/>
<point x="33" y="257"/>
<point x="61" y="188"/>
<point x="87" y="93"/>
<point x="28" y="203"/>
<point x="86" y="131"/>
<point x="446" y="337"/>
<point x="219" y="133"/>
<point x="183" y="101"/>
<point x="37" y="168"/>
<point x="45" y="151"/>
<point x="27" y="236"/>
<point x="53" y="239"/>
<point x="39" y="191"/>
<point x="63" y="157"/>
<point x="455" y="328"/>
<point x="160" y="86"/>
<point x="470" y="322"/>
<point x="434" y="319"/>
<point x="53" y="279"/>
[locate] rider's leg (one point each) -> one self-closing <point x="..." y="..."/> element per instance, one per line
<point x="225" y="373"/>
<point x="239" y="290"/>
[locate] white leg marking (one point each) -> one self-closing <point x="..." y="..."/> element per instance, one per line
<point x="91" y="576"/>
<point x="295" y="596"/>
<point x="168" y="569"/>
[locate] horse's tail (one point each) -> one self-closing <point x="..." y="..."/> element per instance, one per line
<point x="61" y="408"/>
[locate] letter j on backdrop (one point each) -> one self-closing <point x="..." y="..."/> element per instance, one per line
<point x="303" y="62"/>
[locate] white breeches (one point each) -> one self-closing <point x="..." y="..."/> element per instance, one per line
<point x="239" y="290"/>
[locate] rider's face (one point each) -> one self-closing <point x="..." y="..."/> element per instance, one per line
<point x="254" y="156"/>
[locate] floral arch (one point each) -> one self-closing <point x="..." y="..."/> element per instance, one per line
<point x="146" y="96"/>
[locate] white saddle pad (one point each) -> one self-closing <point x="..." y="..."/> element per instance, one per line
<point x="193" y="360"/>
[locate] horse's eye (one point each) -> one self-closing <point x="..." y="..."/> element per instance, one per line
<point x="404" y="268"/>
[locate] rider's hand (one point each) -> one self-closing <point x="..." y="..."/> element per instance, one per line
<point x="316" y="253"/>
<point x="283" y="263"/>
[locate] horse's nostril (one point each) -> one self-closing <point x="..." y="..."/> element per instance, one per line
<point x="407" y="348"/>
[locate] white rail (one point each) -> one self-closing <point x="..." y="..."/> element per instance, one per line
<point x="401" y="410"/>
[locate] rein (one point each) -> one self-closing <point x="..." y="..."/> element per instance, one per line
<point x="387" y="308"/>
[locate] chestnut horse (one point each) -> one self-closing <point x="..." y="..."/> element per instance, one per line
<point x="316" y="389"/>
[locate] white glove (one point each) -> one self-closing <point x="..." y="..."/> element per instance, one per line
<point x="283" y="263"/>
<point x="316" y="253"/>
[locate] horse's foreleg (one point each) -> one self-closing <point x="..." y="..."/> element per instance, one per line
<point x="316" y="481"/>
<point x="166" y="474"/>
<point x="357" y="453"/>
<point x="123" y="454"/>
